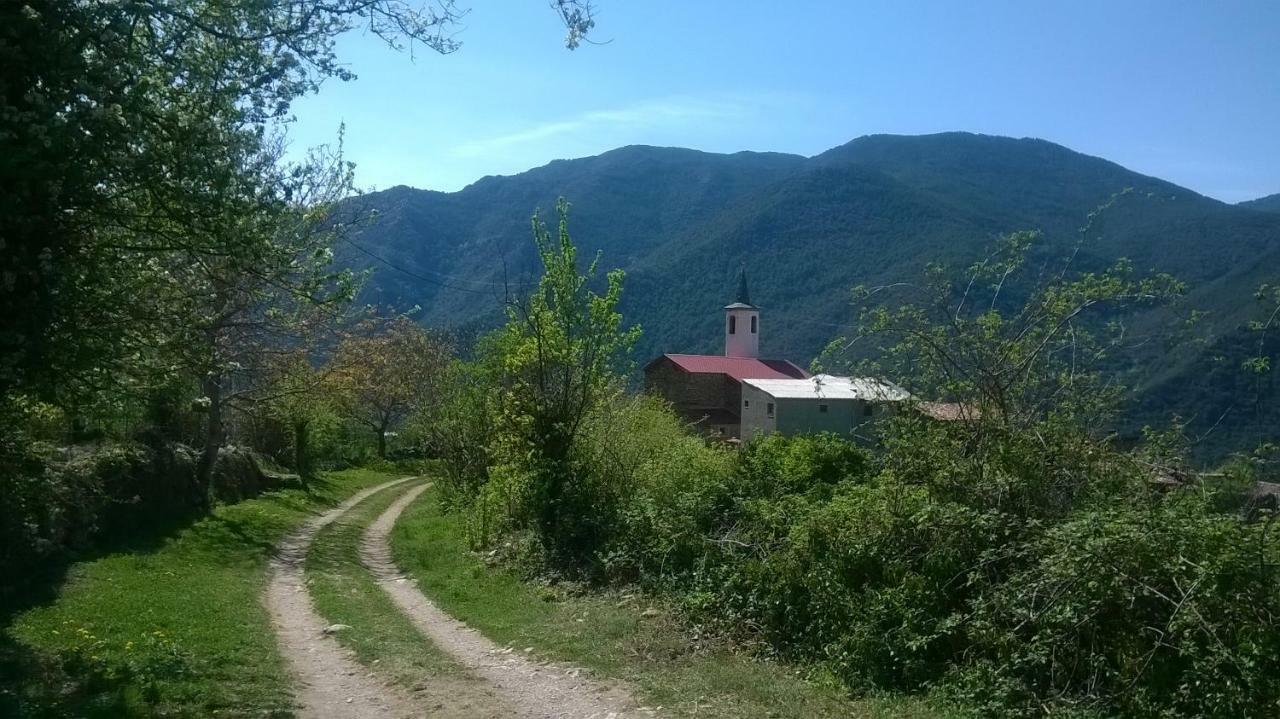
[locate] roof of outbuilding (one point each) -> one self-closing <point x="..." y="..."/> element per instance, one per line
<point x="825" y="386"/>
<point x="949" y="411"/>
<point x="739" y="368"/>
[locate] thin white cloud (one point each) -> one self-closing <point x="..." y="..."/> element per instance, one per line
<point x="667" y="113"/>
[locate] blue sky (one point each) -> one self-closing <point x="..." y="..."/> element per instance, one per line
<point x="1187" y="91"/>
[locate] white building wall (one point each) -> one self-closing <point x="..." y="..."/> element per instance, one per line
<point x="744" y="341"/>
<point x="806" y="416"/>
<point x="756" y="421"/>
<point x="792" y="415"/>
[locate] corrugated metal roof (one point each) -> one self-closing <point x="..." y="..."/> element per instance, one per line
<point x="825" y="386"/>
<point x="739" y="368"/>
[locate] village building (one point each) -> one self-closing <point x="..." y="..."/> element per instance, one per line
<point x="822" y="403"/>
<point x="826" y="403"/>
<point x="706" y="390"/>
<point x="738" y="395"/>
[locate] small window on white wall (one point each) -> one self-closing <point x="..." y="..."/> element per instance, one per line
<point x="768" y="409"/>
<point x="746" y="403"/>
<point x="733" y="325"/>
<point x="822" y="409"/>
<point x="753" y="323"/>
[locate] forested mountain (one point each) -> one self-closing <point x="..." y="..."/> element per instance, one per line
<point x="1270" y="203"/>
<point x="872" y="211"/>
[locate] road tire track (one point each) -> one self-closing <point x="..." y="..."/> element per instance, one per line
<point x="536" y="690"/>
<point x="328" y="681"/>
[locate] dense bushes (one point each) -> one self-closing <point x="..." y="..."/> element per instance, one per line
<point x="1012" y="577"/>
<point x="1055" y="582"/>
<point x="865" y="584"/>
<point x="661" y="524"/>
<point x="1014" y="563"/>
<point x="1167" y="608"/>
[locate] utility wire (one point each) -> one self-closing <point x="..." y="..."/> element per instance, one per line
<point x="423" y="278"/>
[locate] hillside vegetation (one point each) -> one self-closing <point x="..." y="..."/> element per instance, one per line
<point x="1270" y="203"/>
<point x="1018" y="562"/>
<point x="870" y="212"/>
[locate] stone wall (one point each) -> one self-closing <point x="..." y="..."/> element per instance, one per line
<point x="708" y="399"/>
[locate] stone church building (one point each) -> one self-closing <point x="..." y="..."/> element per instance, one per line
<point x="706" y="390"/>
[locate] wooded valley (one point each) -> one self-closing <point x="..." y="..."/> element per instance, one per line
<point x="273" y="446"/>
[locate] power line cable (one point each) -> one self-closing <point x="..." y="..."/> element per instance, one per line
<point x="424" y="278"/>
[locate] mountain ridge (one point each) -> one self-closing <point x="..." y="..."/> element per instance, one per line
<point x="1269" y="203"/>
<point x="873" y="210"/>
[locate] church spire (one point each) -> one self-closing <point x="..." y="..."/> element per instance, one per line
<point x="744" y="297"/>
<point x="742" y="323"/>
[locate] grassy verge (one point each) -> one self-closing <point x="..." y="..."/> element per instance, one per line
<point x="345" y="593"/>
<point x="611" y="635"/>
<point x="176" y="630"/>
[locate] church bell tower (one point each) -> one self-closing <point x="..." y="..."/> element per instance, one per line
<point x="742" y="323"/>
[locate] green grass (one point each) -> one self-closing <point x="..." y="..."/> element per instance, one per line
<point x="345" y="593"/>
<point x="178" y="629"/>
<point x="608" y="634"/>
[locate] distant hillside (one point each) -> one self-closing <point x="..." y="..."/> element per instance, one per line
<point x="875" y="210"/>
<point x="1270" y="203"/>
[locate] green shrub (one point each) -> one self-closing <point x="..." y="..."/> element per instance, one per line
<point x="40" y="421"/>
<point x="776" y="465"/>
<point x="1168" y="609"/>
<point x="672" y="489"/>
<point x="26" y="493"/>
<point x="868" y="584"/>
<point x="458" y="428"/>
<point x="1017" y="573"/>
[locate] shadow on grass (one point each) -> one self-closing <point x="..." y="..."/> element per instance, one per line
<point x="50" y="681"/>
<point x="34" y="686"/>
<point x="40" y="585"/>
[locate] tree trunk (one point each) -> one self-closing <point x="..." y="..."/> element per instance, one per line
<point x="213" y="438"/>
<point x="382" y="442"/>
<point x="301" y="460"/>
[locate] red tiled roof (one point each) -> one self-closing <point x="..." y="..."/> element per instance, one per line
<point x="739" y="368"/>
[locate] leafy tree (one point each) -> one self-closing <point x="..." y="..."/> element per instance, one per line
<point x="384" y="374"/>
<point x="262" y="290"/>
<point x="132" y="136"/>
<point x="459" y="425"/>
<point x="153" y="225"/>
<point x="298" y="395"/>
<point x="1013" y="349"/>
<point x="562" y="351"/>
